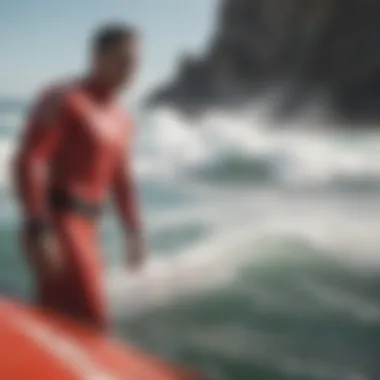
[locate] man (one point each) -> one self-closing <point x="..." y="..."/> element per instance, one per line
<point x="72" y="155"/>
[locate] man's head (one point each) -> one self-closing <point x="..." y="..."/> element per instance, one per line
<point x="115" y="54"/>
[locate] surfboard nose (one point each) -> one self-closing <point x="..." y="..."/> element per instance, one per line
<point x="36" y="345"/>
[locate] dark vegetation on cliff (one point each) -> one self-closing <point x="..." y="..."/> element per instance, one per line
<point x="304" y="45"/>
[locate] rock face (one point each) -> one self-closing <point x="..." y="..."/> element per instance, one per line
<point x="305" y="44"/>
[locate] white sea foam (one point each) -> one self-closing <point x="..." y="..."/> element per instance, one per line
<point x="299" y="157"/>
<point x="6" y="150"/>
<point x="337" y="231"/>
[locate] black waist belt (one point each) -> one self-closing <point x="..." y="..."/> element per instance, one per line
<point x="61" y="201"/>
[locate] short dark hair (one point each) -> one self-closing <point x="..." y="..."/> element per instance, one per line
<point x="110" y="34"/>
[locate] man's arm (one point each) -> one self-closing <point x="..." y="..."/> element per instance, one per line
<point x="127" y="203"/>
<point x="42" y="136"/>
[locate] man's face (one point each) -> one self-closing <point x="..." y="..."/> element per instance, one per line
<point x="118" y="63"/>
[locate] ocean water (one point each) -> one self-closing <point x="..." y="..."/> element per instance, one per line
<point x="264" y="247"/>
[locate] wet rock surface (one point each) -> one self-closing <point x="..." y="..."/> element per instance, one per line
<point x="305" y="46"/>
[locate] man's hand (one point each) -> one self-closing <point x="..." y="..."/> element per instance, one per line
<point x="136" y="254"/>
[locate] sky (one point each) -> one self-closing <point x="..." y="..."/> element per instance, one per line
<point x="44" y="40"/>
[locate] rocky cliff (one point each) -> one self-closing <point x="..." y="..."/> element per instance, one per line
<point x="308" y="45"/>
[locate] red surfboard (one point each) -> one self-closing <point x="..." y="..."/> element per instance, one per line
<point x="35" y="345"/>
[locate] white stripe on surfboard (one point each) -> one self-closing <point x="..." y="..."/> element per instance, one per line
<point x="64" y="349"/>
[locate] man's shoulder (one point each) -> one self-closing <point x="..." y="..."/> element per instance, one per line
<point x="54" y="99"/>
<point x="59" y="91"/>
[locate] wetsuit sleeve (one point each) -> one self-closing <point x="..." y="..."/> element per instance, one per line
<point x="125" y="193"/>
<point x="42" y="136"/>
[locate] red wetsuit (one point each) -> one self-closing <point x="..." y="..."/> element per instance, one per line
<point x="75" y="141"/>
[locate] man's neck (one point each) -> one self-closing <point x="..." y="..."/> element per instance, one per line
<point x="99" y="88"/>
